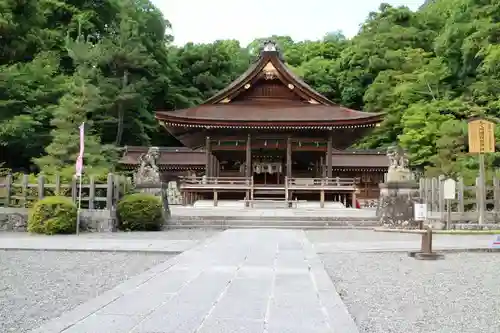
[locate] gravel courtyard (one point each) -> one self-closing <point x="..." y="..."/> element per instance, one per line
<point x="393" y="293"/>
<point x="38" y="285"/>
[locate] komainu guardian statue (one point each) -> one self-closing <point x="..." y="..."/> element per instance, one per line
<point x="148" y="172"/>
<point x="398" y="170"/>
<point x="399" y="193"/>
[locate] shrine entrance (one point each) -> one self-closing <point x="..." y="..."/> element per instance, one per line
<point x="268" y="173"/>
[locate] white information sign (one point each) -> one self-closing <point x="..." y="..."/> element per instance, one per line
<point x="495" y="243"/>
<point x="449" y="189"/>
<point x="420" y="211"/>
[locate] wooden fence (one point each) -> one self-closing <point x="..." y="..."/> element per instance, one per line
<point x="95" y="194"/>
<point x="468" y="203"/>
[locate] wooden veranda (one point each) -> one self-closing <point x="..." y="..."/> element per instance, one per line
<point x="343" y="188"/>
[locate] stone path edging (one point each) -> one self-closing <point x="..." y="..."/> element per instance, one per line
<point x="341" y="321"/>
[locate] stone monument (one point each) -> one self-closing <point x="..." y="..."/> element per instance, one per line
<point x="398" y="193"/>
<point x="147" y="179"/>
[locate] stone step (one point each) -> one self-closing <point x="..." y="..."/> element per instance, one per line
<point x="276" y="219"/>
<point x="270" y="226"/>
<point x="268" y="223"/>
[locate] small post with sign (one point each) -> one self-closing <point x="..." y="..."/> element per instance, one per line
<point x="481" y="140"/>
<point x="449" y="193"/>
<point x="420" y="213"/>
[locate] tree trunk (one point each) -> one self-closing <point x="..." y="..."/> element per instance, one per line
<point x="121" y="112"/>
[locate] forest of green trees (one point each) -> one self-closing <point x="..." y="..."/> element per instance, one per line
<point x="111" y="63"/>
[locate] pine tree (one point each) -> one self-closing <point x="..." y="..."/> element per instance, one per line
<point x="77" y="106"/>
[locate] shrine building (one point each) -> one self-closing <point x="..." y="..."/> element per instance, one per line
<point x="269" y="136"/>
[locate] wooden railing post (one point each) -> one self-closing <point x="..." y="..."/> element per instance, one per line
<point x="109" y="192"/>
<point x="41" y="187"/>
<point x="25" y="183"/>
<point x="441" y="203"/>
<point x="251" y="188"/>
<point x="496" y="194"/>
<point x="286" y="189"/>
<point x="8" y="190"/>
<point x="57" y="186"/>
<point x="460" y="190"/>
<point x="91" y="192"/>
<point x="74" y="190"/>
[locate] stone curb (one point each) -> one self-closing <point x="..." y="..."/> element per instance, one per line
<point x="152" y="251"/>
<point x="443" y="232"/>
<point x="414" y="249"/>
<point x="339" y="318"/>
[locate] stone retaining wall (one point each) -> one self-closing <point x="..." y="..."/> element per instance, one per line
<point x="96" y="220"/>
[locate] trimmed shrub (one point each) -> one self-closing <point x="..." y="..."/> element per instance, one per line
<point x="53" y="215"/>
<point x="140" y="212"/>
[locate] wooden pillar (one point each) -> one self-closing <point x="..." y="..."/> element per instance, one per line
<point x="329" y="152"/>
<point x="289" y="157"/>
<point x="322" y="167"/>
<point x="248" y="169"/>
<point x="208" y="152"/>
<point x="214" y="166"/>
<point x="322" y="198"/>
<point x="216" y="200"/>
<point x="353" y="201"/>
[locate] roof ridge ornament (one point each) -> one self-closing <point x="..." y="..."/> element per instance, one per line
<point x="270" y="46"/>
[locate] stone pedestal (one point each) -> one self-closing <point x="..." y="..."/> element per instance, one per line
<point x="396" y="204"/>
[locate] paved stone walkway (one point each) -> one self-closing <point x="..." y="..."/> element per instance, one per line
<point x="240" y="281"/>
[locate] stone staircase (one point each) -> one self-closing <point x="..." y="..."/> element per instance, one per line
<point x="297" y="218"/>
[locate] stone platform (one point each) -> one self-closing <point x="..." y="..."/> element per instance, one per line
<point x="238" y="281"/>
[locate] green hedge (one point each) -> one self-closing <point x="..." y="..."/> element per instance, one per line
<point x="140" y="212"/>
<point x="53" y="215"/>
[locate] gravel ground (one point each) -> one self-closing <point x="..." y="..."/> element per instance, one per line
<point x="393" y="293"/>
<point x="39" y="285"/>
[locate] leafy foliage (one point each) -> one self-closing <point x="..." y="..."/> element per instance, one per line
<point x="111" y="64"/>
<point x="53" y="215"/>
<point x="140" y="212"/>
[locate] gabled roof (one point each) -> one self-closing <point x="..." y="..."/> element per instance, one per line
<point x="308" y="108"/>
<point x="269" y="63"/>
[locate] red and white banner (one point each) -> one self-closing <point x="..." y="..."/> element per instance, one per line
<point x="79" y="159"/>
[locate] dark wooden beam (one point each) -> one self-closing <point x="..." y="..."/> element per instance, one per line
<point x="248" y="170"/>
<point x="329" y="152"/>
<point x="289" y="157"/>
<point x="208" y="151"/>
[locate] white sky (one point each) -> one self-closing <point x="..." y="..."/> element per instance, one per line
<point x="203" y="21"/>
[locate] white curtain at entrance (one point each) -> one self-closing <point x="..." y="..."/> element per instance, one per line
<point x="264" y="167"/>
<point x="267" y="167"/>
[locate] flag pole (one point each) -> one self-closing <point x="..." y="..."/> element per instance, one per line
<point x="79" y="207"/>
<point x="79" y="174"/>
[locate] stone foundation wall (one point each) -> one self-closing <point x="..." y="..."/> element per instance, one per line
<point x="396" y="205"/>
<point x="97" y="220"/>
<point x="174" y="194"/>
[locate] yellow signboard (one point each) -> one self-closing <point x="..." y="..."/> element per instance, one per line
<point x="481" y="136"/>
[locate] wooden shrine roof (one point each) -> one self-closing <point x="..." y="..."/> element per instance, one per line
<point x="185" y="158"/>
<point x="180" y="157"/>
<point x="268" y="95"/>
